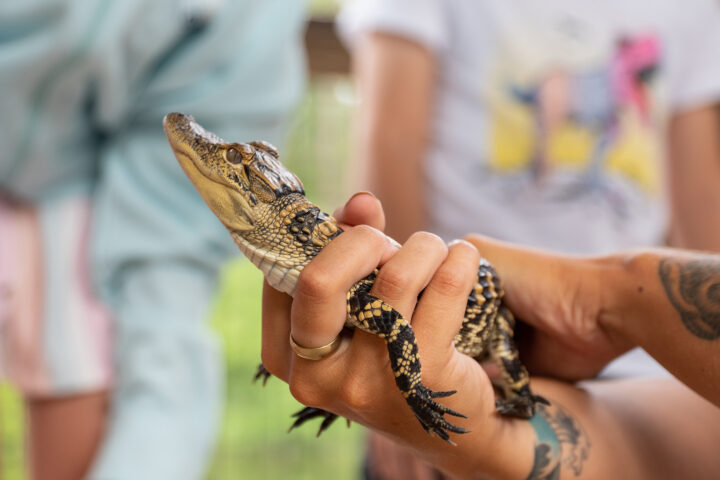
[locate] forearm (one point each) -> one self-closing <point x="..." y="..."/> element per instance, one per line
<point x="405" y="208"/>
<point x="607" y="429"/>
<point x="396" y="82"/>
<point x="668" y="302"/>
<point x="694" y="179"/>
<point x="631" y="429"/>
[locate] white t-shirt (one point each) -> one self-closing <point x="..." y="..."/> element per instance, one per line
<point x="549" y="115"/>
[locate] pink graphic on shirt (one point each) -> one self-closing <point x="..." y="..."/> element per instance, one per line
<point x="634" y="62"/>
<point x="590" y="122"/>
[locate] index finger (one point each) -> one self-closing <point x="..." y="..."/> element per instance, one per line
<point x="319" y="306"/>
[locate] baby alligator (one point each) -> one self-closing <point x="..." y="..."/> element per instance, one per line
<point x="263" y="205"/>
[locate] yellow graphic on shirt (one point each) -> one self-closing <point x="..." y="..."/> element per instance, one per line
<point x="570" y="145"/>
<point x="512" y="138"/>
<point x="635" y="155"/>
<point x="597" y="122"/>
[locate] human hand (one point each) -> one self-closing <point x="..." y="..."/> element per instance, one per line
<point x="562" y="299"/>
<point x="356" y="381"/>
<point x="363" y="208"/>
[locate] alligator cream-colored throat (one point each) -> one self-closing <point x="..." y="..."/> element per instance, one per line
<point x="288" y="233"/>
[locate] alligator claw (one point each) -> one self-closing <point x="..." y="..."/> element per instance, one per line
<point x="308" y="413"/>
<point x="442" y="394"/>
<point x="262" y="373"/>
<point x="430" y="414"/>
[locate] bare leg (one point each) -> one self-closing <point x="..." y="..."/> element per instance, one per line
<point x="64" y="433"/>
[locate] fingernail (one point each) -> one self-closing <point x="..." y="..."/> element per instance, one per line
<point x="459" y="240"/>
<point x="363" y="192"/>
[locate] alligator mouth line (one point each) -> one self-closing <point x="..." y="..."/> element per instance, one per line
<point x="192" y="164"/>
<point x="195" y="169"/>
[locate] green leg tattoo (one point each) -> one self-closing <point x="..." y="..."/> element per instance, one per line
<point x="561" y="442"/>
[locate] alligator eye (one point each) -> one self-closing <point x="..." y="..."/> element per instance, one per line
<point x="240" y="153"/>
<point x="233" y="156"/>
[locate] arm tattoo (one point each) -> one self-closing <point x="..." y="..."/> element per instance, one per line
<point x="562" y="442"/>
<point x="693" y="288"/>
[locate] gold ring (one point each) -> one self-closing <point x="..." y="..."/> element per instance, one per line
<point x="317" y="353"/>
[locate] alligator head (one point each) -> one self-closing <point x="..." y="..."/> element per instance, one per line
<point x="261" y="203"/>
<point x="235" y="179"/>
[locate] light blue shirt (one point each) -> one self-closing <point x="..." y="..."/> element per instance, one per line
<point x="84" y="85"/>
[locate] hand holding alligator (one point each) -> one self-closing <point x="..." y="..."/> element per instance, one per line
<point x="357" y="381"/>
<point x="353" y="279"/>
<point x="586" y="311"/>
<point x="264" y="208"/>
<point x="568" y="310"/>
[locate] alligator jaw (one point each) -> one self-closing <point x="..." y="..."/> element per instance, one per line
<point x="260" y="202"/>
<point x="201" y="155"/>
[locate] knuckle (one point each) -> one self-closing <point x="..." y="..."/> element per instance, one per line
<point x="449" y="281"/>
<point x="429" y="240"/>
<point x="315" y="283"/>
<point x="372" y="238"/>
<point x="369" y="234"/>
<point x="466" y="250"/>
<point x="365" y="230"/>
<point x="305" y="393"/>
<point x="392" y="282"/>
<point x="355" y="394"/>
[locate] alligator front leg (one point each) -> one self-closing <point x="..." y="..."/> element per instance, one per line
<point x="308" y="413"/>
<point x="372" y="315"/>
<point x="514" y="383"/>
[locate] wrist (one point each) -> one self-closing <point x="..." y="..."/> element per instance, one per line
<point x="505" y="451"/>
<point x="627" y="287"/>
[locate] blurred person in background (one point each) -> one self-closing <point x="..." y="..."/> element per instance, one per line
<point x="574" y="126"/>
<point x="108" y="257"/>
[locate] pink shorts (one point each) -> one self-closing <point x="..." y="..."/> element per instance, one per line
<point x="54" y="335"/>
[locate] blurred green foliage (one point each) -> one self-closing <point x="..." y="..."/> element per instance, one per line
<point x="254" y="443"/>
<point x="324" y="7"/>
<point x="12" y="463"/>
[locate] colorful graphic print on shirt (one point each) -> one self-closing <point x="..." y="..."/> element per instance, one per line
<point x="595" y="123"/>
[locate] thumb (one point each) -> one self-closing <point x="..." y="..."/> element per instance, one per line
<point x="363" y="208"/>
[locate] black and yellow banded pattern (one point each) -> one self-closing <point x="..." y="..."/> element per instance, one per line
<point x="487" y="332"/>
